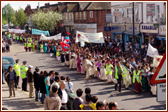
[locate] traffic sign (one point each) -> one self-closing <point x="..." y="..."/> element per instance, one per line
<point x="161" y="92"/>
<point x="160" y="73"/>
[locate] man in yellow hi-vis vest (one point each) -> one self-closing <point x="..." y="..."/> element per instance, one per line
<point x="118" y="75"/>
<point x="23" y="71"/>
<point x="109" y="68"/>
<point x="29" y="46"/>
<point x="17" y="70"/>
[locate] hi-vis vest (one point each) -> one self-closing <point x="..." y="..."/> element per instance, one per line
<point x="35" y="42"/>
<point x="108" y="69"/>
<point x="116" y="72"/>
<point x="20" y="38"/>
<point x="25" y="44"/>
<point x="17" y="37"/>
<point x="23" y="71"/>
<point x="41" y="46"/>
<point x="136" y="76"/>
<point x="17" y="69"/>
<point x="29" y="44"/>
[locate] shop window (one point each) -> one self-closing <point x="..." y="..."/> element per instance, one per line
<point x="72" y="16"/>
<point x="116" y="19"/>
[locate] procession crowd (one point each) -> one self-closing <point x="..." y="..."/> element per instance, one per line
<point x="109" y="62"/>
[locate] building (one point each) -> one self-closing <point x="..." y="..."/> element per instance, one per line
<point x="146" y="15"/>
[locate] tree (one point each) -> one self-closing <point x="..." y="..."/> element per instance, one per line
<point x="45" y="21"/>
<point x="7" y="12"/>
<point x="21" y="17"/>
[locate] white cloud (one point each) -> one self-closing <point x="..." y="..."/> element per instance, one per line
<point x="22" y="4"/>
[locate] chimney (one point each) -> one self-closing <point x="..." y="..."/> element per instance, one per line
<point x="47" y="4"/>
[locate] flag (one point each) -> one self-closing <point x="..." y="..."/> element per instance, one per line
<point x="68" y="33"/>
<point x="152" y="51"/>
<point x="156" y="60"/>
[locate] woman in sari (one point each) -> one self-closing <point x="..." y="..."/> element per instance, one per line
<point x="79" y="63"/>
<point x="144" y="80"/>
<point x="46" y="82"/>
<point x="98" y="67"/>
<point x="45" y="47"/>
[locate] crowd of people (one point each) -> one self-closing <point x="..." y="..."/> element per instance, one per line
<point x="108" y="62"/>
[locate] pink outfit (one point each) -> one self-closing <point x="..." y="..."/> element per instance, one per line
<point x="99" y="65"/>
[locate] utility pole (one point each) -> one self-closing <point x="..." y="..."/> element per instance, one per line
<point x="105" y="16"/>
<point x="133" y="39"/>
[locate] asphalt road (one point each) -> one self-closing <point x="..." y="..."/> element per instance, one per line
<point x="127" y="99"/>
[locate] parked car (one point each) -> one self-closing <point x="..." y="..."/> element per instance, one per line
<point x="7" y="61"/>
<point x="4" y="28"/>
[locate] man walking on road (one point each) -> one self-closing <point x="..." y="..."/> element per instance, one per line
<point x="118" y="75"/>
<point x="23" y="70"/>
<point x="30" y="81"/>
<point x="17" y="70"/>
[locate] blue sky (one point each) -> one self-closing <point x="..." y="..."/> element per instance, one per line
<point x="16" y="4"/>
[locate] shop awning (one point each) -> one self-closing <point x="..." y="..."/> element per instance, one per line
<point x="131" y="33"/>
<point x="117" y="31"/>
<point x="161" y="38"/>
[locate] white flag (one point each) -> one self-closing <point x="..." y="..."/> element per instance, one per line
<point x="152" y="51"/>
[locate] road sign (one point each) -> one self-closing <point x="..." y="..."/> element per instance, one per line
<point x="161" y="92"/>
<point x="160" y="73"/>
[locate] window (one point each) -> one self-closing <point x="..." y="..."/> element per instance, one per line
<point x="72" y="16"/>
<point x="116" y="19"/>
<point x="66" y="16"/>
<point x="84" y="15"/>
<point x="91" y="14"/>
<point x="158" y="10"/>
<point x="76" y="15"/>
<point x="80" y="15"/>
<point x="69" y="18"/>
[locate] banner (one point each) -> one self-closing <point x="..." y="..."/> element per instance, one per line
<point x="56" y="37"/>
<point x="39" y="32"/>
<point x="156" y="60"/>
<point x="89" y="37"/>
<point x="16" y="31"/>
<point x="152" y="51"/>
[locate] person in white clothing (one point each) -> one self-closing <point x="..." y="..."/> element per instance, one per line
<point x="57" y="79"/>
<point x="69" y="85"/>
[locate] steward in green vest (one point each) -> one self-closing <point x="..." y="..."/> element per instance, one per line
<point x="118" y="75"/>
<point x="29" y="46"/>
<point x="23" y="71"/>
<point x="17" y="38"/>
<point x="136" y="80"/>
<point x="33" y="46"/>
<point x="26" y="46"/>
<point x="21" y="39"/>
<point x="17" y="70"/>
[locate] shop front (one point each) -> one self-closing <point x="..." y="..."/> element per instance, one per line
<point x="149" y="33"/>
<point x="128" y="34"/>
<point x="87" y="28"/>
<point x="117" y="32"/>
<point x="161" y="37"/>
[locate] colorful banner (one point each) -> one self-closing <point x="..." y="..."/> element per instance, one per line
<point x="39" y="32"/>
<point x="56" y="37"/>
<point x="150" y="9"/>
<point x="152" y="51"/>
<point x="89" y="37"/>
<point x="156" y="60"/>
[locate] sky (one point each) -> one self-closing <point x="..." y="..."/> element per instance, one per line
<point x="16" y="4"/>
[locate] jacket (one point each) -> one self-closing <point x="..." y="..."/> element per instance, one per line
<point x="60" y="95"/>
<point x="42" y="84"/>
<point x="36" y="80"/>
<point x="76" y="103"/>
<point x="29" y="76"/>
<point x="52" y="102"/>
<point x="8" y="77"/>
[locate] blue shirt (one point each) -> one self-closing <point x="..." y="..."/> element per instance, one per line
<point x="11" y="74"/>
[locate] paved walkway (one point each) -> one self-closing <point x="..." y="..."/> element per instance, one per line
<point x="20" y="102"/>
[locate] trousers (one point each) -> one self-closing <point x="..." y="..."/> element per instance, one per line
<point x="24" y="84"/>
<point x="17" y="81"/>
<point x="31" y="89"/>
<point x="118" y="82"/>
<point x="11" y="87"/>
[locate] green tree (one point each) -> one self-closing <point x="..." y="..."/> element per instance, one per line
<point x="45" y="21"/>
<point x="7" y="12"/>
<point x="20" y="18"/>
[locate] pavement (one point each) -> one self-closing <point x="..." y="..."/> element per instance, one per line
<point x="126" y="99"/>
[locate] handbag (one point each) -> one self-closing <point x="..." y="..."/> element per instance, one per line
<point x="71" y="95"/>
